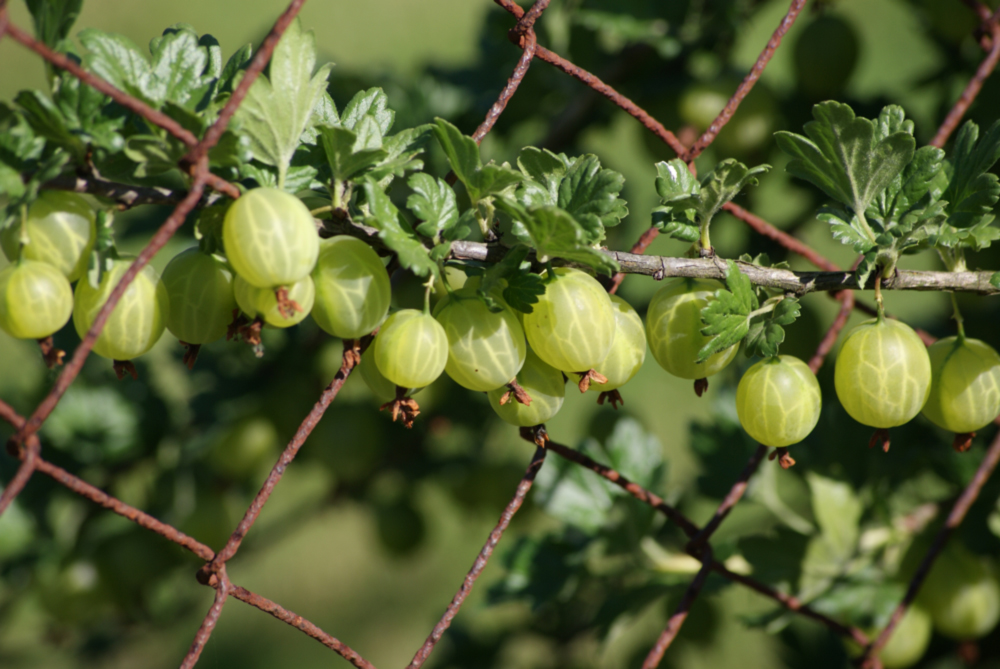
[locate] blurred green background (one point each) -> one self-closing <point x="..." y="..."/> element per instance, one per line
<point x="374" y="526"/>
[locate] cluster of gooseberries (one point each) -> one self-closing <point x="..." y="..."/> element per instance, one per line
<point x="277" y="270"/>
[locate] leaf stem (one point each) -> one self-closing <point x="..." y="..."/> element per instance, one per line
<point x="428" y="287"/>
<point x="878" y="297"/>
<point x="705" y="240"/>
<point x="767" y="308"/>
<point x="321" y="210"/>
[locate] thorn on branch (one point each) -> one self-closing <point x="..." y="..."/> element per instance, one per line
<point x="963" y="442"/>
<point x="588" y="377"/>
<point x="517" y="392"/>
<point x="404" y="409"/>
<point x="190" y="353"/>
<point x="123" y="367"/>
<point x="286" y="305"/>
<point x="53" y="356"/>
<point x="612" y="396"/>
<point x="700" y="386"/>
<point x="880" y="436"/>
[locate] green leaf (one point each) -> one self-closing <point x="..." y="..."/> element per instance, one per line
<point x="838" y="513"/>
<point x="995" y="280"/>
<point x="402" y="150"/>
<point x="726" y="317"/>
<point x="237" y="63"/>
<point x="972" y="190"/>
<point x="184" y="69"/>
<point x="481" y="181"/>
<point x="556" y="234"/>
<point x="505" y="270"/>
<point x="849" y="158"/>
<point x="396" y="233"/>
<point x="433" y="201"/>
<point x="53" y="20"/>
<point x="766" y="333"/>
<point x="523" y="290"/>
<point x="279" y="107"/>
<point x="349" y="155"/>
<point x="687" y="204"/>
<point x="544" y="171"/>
<point x="373" y="104"/>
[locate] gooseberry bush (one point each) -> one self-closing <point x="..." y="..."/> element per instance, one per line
<point x="306" y="215"/>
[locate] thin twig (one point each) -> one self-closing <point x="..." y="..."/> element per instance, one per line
<point x="301" y="624"/>
<point x="734" y="496"/>
<point x="23" y="475"/>
<point x="481" y="560"/>
<point x="748" y="82"/>
<point x="208" y="623"/>
<point x="955" y="518"/>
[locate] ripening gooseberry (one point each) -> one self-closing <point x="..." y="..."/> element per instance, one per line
<point x="352" y="288"/>
<point x="270" y="238"/>
<point x="778" y="401"/>
<point x="411" y="349"/>
<point x="60" y="230"/>
<point x="136" y="322"/>
<point x="544" y="384"/>
<point x="883" y="373"/>
<point x="200" y="287"/>
<point x="673" y="327"/>
<point x="628" y="349"/>
<point x="485" y="349"/>
<point x="965" y="384"/>
<point x="36" y="300"/>
<point x="383" y="389"/>
<point x="572" y="325"/>
<point x="263" y="302"/>
<point x="962" y="593"/>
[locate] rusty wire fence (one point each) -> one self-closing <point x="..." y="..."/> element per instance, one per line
<point x="26" y="446"/>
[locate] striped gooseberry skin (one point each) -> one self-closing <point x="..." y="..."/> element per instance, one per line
<point x="778" y="401"/>
<point x="544" y="384"/>
<point x="263" y="302"/>
<point x="136" y="322"/>
<point x="200" y="287"/>
<point x="572" y="325"/>
<point x="965" y="384"/>
<point x="383" y="389"/>
<point x="270" y="238"/>
<point x="411" y="349"/>
<point x="352" y="288"/>
<point x="628" y="348"/>
<point x="673" y="327"/>
<point x="35" y="299"/>
<point x="883" y="373"/>
<point x="485" y="350"/>
<point x="60" y="229"/>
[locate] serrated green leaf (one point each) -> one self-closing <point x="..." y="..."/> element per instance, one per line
<point x="972" y="191"/>
<point x="481" y="181"/>
<point x="555" y="234"/>
<point x="545" y="170"/>
<point x="766" y="333"/>
<point x="723" y="184"/>
<point x="402" y="150"/>
<point x="279" y="107"/>
<point x="509" y="266"/>
<point x="849" y="158"/>
<point x="184" y="69"/>
<point x="847" y="229"/>
<point x="238" y="62"/>
<point x="665" y="221"/>
<point x="589" y="193"/>
<point x="53" y="20"/>
<point x="726" y="317"/>
<point x="372" y="104"/>
<point x="396" y="233"/>
<point x="523" y="290"/>
<point x="866" y="266"/>
<point x="433" y="201"/>
<point x="347" y="155"/>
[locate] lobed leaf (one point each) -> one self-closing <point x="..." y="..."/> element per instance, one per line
<point x="433" y="201"/>
<point x="396" y="233"/>
<point x="766" y="333"/>
<point x="972" y="191"/>
<point x="726" y="317"/>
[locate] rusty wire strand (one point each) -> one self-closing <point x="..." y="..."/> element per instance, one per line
<point x="523" y="36"/>
<point x="208" y="623"/>
<point x="955" y="518"/>
<point x="678" y="617"/>
<point x="748" y="82"/>
<point x="481" y="560"/>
